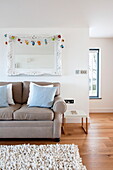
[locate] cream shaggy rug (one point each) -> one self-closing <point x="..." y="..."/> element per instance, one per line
<point x="40" y="157"/>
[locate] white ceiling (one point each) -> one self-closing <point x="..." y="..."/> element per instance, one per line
<point x="95" y="14"/>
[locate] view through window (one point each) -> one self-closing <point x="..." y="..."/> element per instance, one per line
<point x="94" y="73"/>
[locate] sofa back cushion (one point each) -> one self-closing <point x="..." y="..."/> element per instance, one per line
<point x="17" y="90"/>
<point x="26" y="89"/>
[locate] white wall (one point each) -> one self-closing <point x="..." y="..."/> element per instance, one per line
<point x="74" y="56"/>
<point x="106" y="103"/>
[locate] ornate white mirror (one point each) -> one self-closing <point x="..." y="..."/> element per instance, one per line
<point x="34" y="55"/>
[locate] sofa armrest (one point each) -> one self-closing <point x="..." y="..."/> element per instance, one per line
<point x="59" y="105"/>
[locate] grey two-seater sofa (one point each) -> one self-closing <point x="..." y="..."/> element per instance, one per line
<point x="21" y="121"/>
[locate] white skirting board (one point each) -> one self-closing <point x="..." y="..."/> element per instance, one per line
<point x="101" y="110"/>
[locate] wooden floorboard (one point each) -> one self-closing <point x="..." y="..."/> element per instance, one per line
<point x="96" y="148"/>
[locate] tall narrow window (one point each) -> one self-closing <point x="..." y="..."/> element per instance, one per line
<point x="94" y="73"/>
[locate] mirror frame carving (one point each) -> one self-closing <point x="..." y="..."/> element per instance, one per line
<point x="12" y="71"/>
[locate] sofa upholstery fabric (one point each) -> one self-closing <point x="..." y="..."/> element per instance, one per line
<point x="21" y="121"/>
<point x="59" y="105"/>
<point x="17" y="90"/>
<point x="33" y="113"/>
<point x="6" y="113"/>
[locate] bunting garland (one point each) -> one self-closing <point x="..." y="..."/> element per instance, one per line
<point x="34" y="40"/>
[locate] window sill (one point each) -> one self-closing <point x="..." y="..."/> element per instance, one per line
<point x="94" y="98"/>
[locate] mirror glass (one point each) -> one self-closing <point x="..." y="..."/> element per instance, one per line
<point x="34" y="57"/>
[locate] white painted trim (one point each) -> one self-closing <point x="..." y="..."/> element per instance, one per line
<point x="101" y="110"/>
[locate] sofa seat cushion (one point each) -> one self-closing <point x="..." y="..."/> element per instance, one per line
<point x="33" y="113"/>
<point x="6" y="113"/>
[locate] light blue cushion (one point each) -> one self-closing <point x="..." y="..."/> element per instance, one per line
<point x="3" y="96"/>
<point x="42" y="96"/>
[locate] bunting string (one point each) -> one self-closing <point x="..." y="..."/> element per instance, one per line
<point x="34" y="40"/>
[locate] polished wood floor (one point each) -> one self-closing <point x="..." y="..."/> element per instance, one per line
<point x="96" y="148"/>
